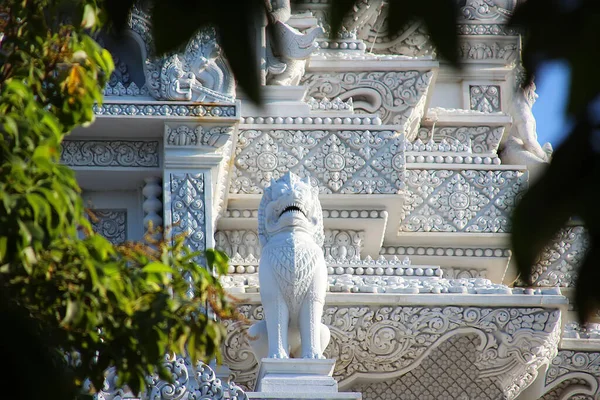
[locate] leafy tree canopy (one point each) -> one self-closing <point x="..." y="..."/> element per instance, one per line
<point x="71" y="303"/>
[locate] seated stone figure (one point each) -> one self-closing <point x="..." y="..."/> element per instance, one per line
<point x="522" y="147"/>
<point x="292" y="272"/>
<point x="200" y="73"/>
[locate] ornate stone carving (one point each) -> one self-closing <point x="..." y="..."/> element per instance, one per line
<point x="184" y="135"/>
<point x="487" y="29"/>
<point x="200" y="73"/>
<point x="335" y="105"/>
<point x="151" y="109"/>
<point x="398" y="97"/>
<point x="109" y="153"/>
<point x="292" y="272"/>
<point x="337" y="245"/>
<point x="336" y="161"/>
<point x="557" y="263"/>
<point x="460" y="201"/>
<point x="449" y="372"/>
<point x="522" y="146"/>
<point x="575" y="330"/>
<point x="238" y="241"/>
<point x="485" y="98"/>
<point x="112" y="224"/>
<point x="481" y="139"/>
<point x="470" y="50"/>
<point x="370" y="341"/>
<point x="575" y="374"/>
<point x="189" y="381"/>
<point x="488" y="10"/>
<point x="287" y="48"/>
<point x="188" y="208"/>
<point x="343" y="244"/>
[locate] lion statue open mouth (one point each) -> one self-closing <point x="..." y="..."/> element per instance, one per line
<point x="292" y="272"/>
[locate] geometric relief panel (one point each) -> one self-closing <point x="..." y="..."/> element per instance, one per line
<point x="110" y="223"/>
<point x="449" y="372"/>
<point x="460" y="200"/>
<point x="336" y="161"/>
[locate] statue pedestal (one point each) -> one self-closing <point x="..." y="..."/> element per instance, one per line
<point x="298" y="378"/>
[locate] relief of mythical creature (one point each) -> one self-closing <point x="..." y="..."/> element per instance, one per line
<point x="200" y="73"/>
<point x="522" y="146"/>
<point x="287" y="48"/>
<point x="292" y="272"/>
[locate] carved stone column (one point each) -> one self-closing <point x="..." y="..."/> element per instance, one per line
<point x="152" y="205"/>
<point x="195" y="169"/>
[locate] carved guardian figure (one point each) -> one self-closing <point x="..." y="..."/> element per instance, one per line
<point x="292" y="272"/>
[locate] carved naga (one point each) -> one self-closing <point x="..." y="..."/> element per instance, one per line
<point x="292" y="272"/>
<point x="287" y="48"/>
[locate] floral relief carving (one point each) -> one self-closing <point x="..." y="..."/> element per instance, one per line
<point x="398" y="97"/>
<point x="575" y="372"/>
<point x="184" y="135"/>
<point x="369" y="341"/>
<point x="485" y="98"/>
<point x="110" y="223"/>
<point x="488" y="10"/>
<point x="557" y="263"/>
<point x="336" y="161"/>
<point x="482" y="139"/>
<point x="189" y="381"/>
<point x="109" y="153"/>
<point x="493" y="50"/>
<point x="338" y="244"/>
<point x="188" y="209"/>
<point x="460" y="201"/>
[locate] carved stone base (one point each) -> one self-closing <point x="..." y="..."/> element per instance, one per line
<point x="296" y="376"/>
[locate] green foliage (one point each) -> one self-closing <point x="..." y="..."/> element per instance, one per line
<point x="76" y="304"/>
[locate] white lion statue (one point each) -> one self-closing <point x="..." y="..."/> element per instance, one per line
<point x="292" y="272"/>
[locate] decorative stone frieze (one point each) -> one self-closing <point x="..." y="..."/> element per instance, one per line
<point x="485" y="98"/>
<point x="316" y="119"/>
<point x="373" y="342"/>
<point x="110" y="153"/>
<point x="335" y="105"/>
<point x="575" y="330"/>
<point x="338" y="244"/>
<point x="119" y="89"/>
<point x="165" y="109"/>
<point x="398" y="97"/>
<point x="488" y="50"/>
<point x="110" y="223"/>
<point x="444" y="251"/>
<point x="189" y="135"/>
<point x="338" y="161"/>
<point x="460" y="200"/>
<point x="557" y="263"/>
<point x="481" y="139"/>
